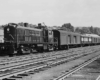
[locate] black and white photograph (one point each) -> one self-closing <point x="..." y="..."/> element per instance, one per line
<point x="49" y="40"/>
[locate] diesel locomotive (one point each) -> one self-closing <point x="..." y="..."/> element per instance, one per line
<point x="22" y="39"/>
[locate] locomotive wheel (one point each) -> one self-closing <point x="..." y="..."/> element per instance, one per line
<point x="19" y="52"/>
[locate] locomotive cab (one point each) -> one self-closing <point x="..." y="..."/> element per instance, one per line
<point x="48" y="38"/>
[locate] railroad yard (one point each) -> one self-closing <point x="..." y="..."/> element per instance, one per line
<point x="49" y="40"/>
<point x="73" y="64"/>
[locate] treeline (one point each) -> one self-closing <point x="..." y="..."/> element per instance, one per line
<point x="89" y="30"/>
<point x="82" y="30"/>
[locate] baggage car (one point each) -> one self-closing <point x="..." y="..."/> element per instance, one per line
<point x="67" y="39"/>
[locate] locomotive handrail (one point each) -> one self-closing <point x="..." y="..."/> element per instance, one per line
<point x="11" y="36"/>
<point x="55" y="38"/>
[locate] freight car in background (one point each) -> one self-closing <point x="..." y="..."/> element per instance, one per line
<point x="22" y="39"/>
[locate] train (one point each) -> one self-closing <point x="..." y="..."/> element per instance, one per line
<point x="17" y="39"/>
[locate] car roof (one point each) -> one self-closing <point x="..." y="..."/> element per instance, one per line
<point x="68" y="32"/>
<point x="91" y="35"/>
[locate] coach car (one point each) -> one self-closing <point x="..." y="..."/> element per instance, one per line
<point x="86" y="40"/>
<point x="90" y="39"/>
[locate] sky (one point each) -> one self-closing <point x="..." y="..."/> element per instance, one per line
<point x="51" y="12"/>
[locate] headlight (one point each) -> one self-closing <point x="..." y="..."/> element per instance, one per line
<point x="8" y="29"/>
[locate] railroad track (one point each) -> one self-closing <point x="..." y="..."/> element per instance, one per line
<point x="22" y="59"/>
<point x="20" y="70"/>
<point x="31" y="61"/>
<point x="76" y="68"/>
<point x="27" y="57"/>
<point x="32" y="67"/>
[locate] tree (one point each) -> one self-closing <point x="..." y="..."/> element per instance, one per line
<point x="97" y="31"/>
<point x="78" y="30"/>
<point x="85" y="30"/>
<point x="68" y="27"/>
<point x="91" y="29"/>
